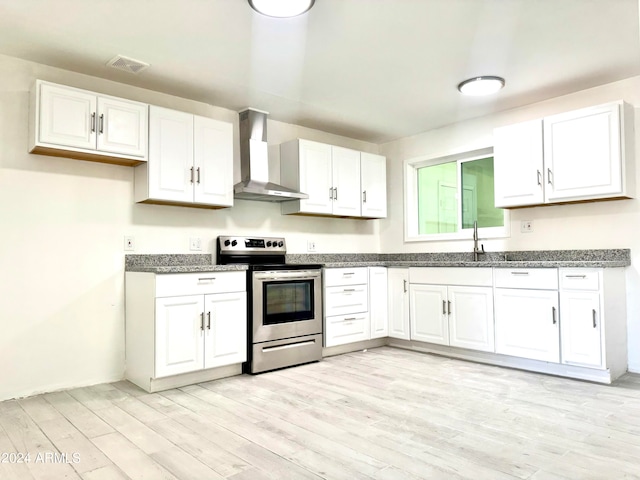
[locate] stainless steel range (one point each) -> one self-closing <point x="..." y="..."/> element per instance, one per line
<point x="284" y="303"/>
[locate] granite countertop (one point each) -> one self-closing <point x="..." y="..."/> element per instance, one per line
<point x="192" y="263"/>
<point x="178" y="263"/>
<point x="515" y="259"/>
<point x="485" y="264"/>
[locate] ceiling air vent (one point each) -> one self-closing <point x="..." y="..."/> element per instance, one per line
<point x="127" y="64"/>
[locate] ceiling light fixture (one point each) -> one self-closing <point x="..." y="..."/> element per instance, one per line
<point x="281" y="8"/>
<point x="478" y="86"/>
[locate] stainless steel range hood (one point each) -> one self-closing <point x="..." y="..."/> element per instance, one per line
<point x="254" y="162"/>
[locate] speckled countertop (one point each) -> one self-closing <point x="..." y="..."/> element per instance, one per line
<point x="191" y="263"/>
<point x="516" y="259"/>
<point x="178" y="263"/>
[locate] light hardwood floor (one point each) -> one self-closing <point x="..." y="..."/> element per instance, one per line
<point x="384" y="414"/>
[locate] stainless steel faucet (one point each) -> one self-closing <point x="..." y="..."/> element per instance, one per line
<point x="476" y="251"/>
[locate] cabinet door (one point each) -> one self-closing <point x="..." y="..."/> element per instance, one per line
<point x="179" y="334"/>
<point x="518" y="164"/>
<point x="346" y="182"/>
<point x="398" y="301"/>
<point x="67" y="117"/>
<point x="526" y="324"/>
<point x="171" y="172"/>
<point x="226" y="329"/>
<point x="315" y="177"/>
<point x="428" y="313"/>
<point x="583" y="154"/>
<point x="471" y="318"/>
<point x="378" y="302"/>
<point x="373" y="171"/>
<point x="213" y="161"/>
<point x="122" y="127"/>
<point x="580" y="328"/>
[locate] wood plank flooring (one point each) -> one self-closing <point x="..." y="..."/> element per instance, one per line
<point x="381" y="414"/>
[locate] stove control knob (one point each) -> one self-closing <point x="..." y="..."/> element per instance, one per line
<point x="268" y="244"/>
<point x="280" y="244"/>
<point x="227" y="243"/>
<point x="234" y="243"/>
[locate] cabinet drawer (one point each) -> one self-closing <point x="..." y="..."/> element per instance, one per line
<point x="345" y="300"/>
<point x="346" y="329"/>
<point x="533" y="278"/>
<point x="472" y="277"/>
<point x="345" y="276"/>
<point x="200" y="283"/>
<point x="579" y="279"/>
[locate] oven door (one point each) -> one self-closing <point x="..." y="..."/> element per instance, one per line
<point x="286" y="304"/>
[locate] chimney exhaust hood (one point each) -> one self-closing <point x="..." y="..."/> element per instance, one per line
<point x="254" y="162"/>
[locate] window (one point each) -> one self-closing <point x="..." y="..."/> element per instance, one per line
<point x="446" y="196"/>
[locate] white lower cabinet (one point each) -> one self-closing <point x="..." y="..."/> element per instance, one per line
<point x="225" y="339"/>
<point x="580" y="328"/>
<point x="178" y="336"/>
<point x="526" y="313"/>
<point x="458" y="315"/>
<point x="346" y="306"/>
<point x="350" y="328"/>
<point x="429" y="319"/>
<point x="378" y="309"/>
<point x="526" y="323"/>
<point x="471" y="318"/>
<point x="398" y="302"/>
<point x="183" y="323"/>
<point x="583" y="312"/>
<point x="563" y="321"/>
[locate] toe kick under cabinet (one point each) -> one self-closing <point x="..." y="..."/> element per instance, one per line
<point x="184" y="328"/>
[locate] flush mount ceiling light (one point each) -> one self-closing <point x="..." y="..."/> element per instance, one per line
<point x="478" y="86"/>
<point x="281" y="8"/>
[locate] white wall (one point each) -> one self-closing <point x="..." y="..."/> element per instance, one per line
<point x="62" y="228"/>
<point x="614" y="224"/>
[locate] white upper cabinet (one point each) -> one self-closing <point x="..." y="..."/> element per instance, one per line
<point x="339" y="181"/>
<point x="585" y="154"/>
<point x="518" y="164"/>
<point x="79" y="124"/>
<point x="346" y="181"/>
<point x="170" y="166"/>
<point x="213" y="161"/>
<point x="315" y="175"/>
<point x="190" y="161"/>
<point x="373" y="174"/>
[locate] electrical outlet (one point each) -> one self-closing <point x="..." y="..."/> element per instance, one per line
<point x="526" y="226"/>
<point x="195" y="244"/>
<point x="129" y="243"/>
<point x="311" y="246"/>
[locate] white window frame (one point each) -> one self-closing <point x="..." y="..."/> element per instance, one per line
<point x="411" y="226"/>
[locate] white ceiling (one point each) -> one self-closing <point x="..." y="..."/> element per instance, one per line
<point x="375" y="70"/>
